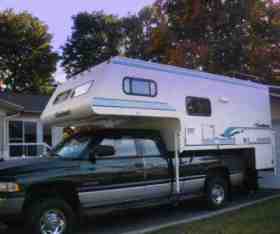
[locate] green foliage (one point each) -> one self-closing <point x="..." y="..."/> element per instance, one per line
<point x="95" y="38"/>
<point x="27" y="61"/>
<point x="218" y="36"/>
<point x="136" y="34"/>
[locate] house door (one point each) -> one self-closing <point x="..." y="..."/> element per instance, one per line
<point x="22" y="138"/>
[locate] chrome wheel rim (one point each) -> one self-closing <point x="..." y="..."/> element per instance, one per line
<point x="218" y="194"/>
<point x="53" y="222"/>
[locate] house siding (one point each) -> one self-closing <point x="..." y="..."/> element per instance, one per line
<point x="275" y="108"/>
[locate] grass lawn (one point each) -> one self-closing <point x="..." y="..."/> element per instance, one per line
<point x="259" y="219"/>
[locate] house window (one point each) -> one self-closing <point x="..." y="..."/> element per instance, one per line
<point x="16" y="131"/>
<point x="139" y="87"/>
<point x="30" y="132"/>
<point x="62" y="97"/>
<point x="22" y="136"/>
<point x="81" y="90"/>
<point x="197" y="106"/>
<point x="47" y="135"/>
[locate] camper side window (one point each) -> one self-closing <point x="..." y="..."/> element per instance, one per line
<point x="198" y="106"/>
<point x="139" y="87"/>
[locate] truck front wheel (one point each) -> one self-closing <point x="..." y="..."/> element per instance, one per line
<point x="50" y="216"/>
<point x="217" y="191"/>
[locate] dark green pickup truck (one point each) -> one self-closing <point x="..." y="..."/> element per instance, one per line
<point x="92" y="173"/>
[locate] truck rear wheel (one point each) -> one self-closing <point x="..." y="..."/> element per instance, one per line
<point x="217" y="191"/>
<point x="50" y="216"/>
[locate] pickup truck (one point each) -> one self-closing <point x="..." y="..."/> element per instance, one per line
<point x="95" y="172"/>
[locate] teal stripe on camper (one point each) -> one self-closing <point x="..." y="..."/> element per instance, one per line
<point x="131" y="104"/>
<point x="185" y="73"/>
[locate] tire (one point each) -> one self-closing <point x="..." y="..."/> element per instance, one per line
<point x="217" y="192"/>
<point x="54" y="212"/>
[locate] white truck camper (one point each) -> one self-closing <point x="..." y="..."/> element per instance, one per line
<point x="194" y="111"/>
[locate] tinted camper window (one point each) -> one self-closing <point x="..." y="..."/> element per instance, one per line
<point x="139" y="87"/>
<point x="81" y="90"/>
<point x="198" y="106"/>
<point x="62" y="97"/>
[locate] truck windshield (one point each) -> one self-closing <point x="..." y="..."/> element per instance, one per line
<point x="71" y="148"/>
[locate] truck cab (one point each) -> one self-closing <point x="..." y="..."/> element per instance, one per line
<point x="93" y="172"/>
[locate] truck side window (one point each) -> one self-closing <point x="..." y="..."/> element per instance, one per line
<point x="197" y="106"/>
<point x="149" y="148"/>
<point x="124" y="147"/>
<point x="72" y="148"/>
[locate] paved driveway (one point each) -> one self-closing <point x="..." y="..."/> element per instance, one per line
<point x="135" y="221"/>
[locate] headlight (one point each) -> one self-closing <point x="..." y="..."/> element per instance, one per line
<point x="9" y="187"/>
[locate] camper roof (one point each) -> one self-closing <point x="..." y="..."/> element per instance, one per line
<point x="111" y="91"/>
<point x="184" y="72"/>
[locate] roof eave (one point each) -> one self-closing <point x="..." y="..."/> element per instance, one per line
<point x="11" y="106"/>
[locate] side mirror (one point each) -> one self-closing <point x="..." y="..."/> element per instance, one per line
<point x="102" y="151"/>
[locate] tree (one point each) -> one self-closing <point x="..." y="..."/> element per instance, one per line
<point x="95" y="38"/>
<point x="264" y="53"/>
<point x="27" y="61"/>
<point x="222" y="36"/>
<point x="136" y="34"/>
<point x="218" y="36"/>
<point x="205" y="34"/>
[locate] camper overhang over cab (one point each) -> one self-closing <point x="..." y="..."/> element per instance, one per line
<point x="194" y="111"/>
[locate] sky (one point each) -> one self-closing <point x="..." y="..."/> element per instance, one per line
<point x="57" y="14"/>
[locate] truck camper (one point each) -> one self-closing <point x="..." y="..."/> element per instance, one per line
<point x="198" y="111"/>
<point x="145" y="134"/>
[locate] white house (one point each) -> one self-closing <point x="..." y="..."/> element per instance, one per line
<point x="22" y="134"/>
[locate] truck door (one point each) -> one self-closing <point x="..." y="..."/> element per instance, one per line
<point x="157" y="173"/>
<point x="118" y="178"/>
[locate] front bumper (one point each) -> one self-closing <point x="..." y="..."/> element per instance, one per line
<point x="11" y="206"/>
